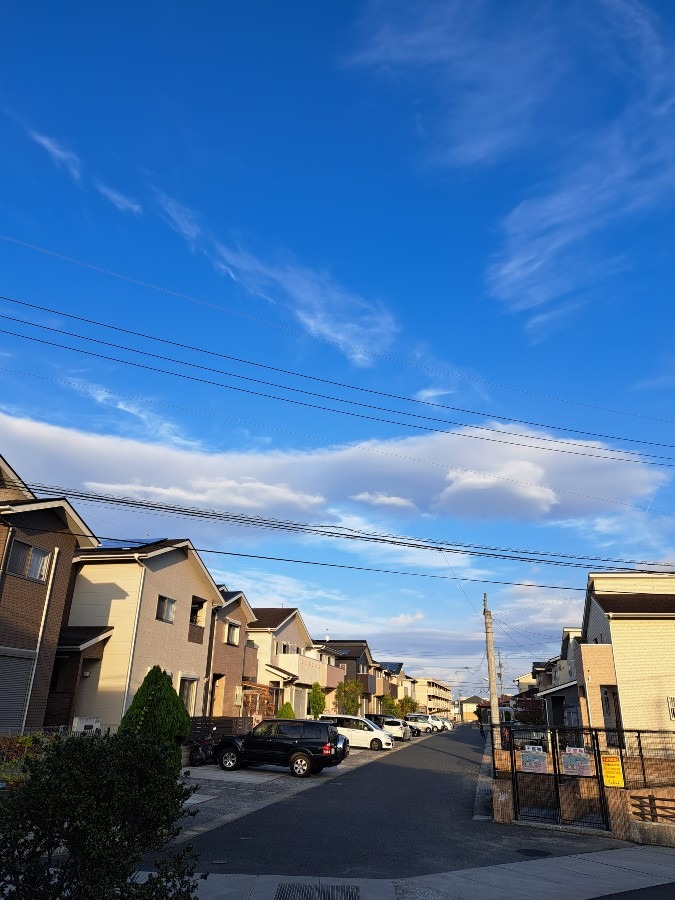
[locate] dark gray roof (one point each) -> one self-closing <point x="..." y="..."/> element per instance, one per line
<point x="77" y="637"/>
<point x="229" y="595"/>
<point x="393" y="667"/>
<point x="272" y="616"/>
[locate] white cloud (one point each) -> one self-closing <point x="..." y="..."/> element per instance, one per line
<point x="360" y="327"/>
<point x="386" y="500"/>
<point x="406" y="619"/>
<point x="61" y="156"/>
<point x="119" y="200"/>
<point x="181" y="218"/>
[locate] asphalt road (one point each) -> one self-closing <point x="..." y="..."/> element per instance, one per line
<point x="405" y="814"/>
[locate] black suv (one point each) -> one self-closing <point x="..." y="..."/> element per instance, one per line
<point x="305" y="746"/>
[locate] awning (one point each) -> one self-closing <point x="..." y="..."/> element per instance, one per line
<point x="80" y="637"/>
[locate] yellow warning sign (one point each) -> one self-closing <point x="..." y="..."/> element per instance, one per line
<point x="612" y="770"/>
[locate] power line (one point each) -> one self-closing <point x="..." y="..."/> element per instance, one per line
<point x="339" y="344"/>
<point x="315" y="378"/>
<point x="541" y="557"/>
<point x="629" y="456"/>
<point x="346" y="447"/>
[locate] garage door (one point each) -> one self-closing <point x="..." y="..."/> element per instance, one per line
<point x="14" y="678"/>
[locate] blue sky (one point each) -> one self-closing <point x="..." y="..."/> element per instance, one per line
<point x="467" y="204"/>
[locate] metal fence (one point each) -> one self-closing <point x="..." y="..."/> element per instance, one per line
<point x="225" y="726"/>
<point x="558" y="774"/>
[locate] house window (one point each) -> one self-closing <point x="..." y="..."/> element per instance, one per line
<point x="30" y="562"/>
<point x="165" y="609"/>
<point x="671" y="707"/>
<point x="197" y="611"/>
<point x="187" y="691"/>
<point x="232" y="636"/>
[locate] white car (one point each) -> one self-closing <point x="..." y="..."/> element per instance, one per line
<point x="421" y="721"/>
<point x="360" y="731"/>
<point x="449" y="724"/>
<point x="397" y="728"/>
<point x="437" y="723"/>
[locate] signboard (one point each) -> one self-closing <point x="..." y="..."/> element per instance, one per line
<point x="534" y="748"/>
<point x="577" y="763"/>
<point x="612" y="770"/>
<point x="533" y="761"/>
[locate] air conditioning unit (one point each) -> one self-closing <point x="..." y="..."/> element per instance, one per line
<point x="86" y="724"/>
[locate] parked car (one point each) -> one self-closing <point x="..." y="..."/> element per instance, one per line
<point x="421" y="721"/>
<point x="437" y="723"/>
<point x="306" y="747"/>
<point x="414" y="730"/>
<point x="343" y="747"/>
<point x="397" y="728"/>
<point x="449" y="724"/>
<point x="360" y="731"/>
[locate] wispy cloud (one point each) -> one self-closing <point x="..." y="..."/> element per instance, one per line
<point x="585" y="96"/>
<point x="386" y="500"/>
<point x="61" y="156"/>
<point x="119" y="200"/>
<point x="181" y="218"/>
<point x="486" y="73"/>
<point x="360" y="327"/>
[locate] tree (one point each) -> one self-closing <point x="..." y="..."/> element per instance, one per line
<point x="407" y="705"/>
<point x="348" y="697"/>
<point x="88" y="812"/>
<point x="317" y="700"/>
<point x="390" y="707"/>
<point x="286" y="712"/>
<point x="158" y="715"/>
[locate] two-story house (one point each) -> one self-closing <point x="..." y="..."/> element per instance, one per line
<point x="132" y="608"/>
<point x="558" y="683"/>
<point x="289" y="662"/>
<point x="233" y="654"/>
<point x="38" y="539"/>
<point x="357" y="662"/>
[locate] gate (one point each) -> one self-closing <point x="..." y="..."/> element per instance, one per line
<point x="556" y="775"/>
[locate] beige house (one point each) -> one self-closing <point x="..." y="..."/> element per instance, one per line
<point x="151" y="605"/>
<point x="625" y="663"/>
<point x="289" y="662"/>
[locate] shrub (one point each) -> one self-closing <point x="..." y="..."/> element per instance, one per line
<point x="286" y="712"/>
<point x="15" y="749"/>
<point x="88" y="811"/>
<point x="158" y="715"/>
<point x="348" y="697"/>
<point x="407" y="705"/>
<point x="317" y="700"/>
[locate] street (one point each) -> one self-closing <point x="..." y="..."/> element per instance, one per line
<point x="405" y="814"/>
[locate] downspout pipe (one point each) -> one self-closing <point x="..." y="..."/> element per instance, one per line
<point x="133" y="640"/>
<point x="43" y="622"/>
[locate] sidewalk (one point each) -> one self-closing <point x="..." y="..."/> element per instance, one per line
<point x="583" y="876"/>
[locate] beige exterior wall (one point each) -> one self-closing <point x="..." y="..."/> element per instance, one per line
<point x="644" y="656"/>
<point x="166" y="644"/>
<point x="594" y="666"/>
<point x="640" y="583"/>
<point x="433" y="696"/>
<point x="106" y="594"/>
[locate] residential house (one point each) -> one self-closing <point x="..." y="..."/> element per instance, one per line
<point x="132" y="608"/>
<point x="233" y="656"/>
<point x="433" y="696"/>
<point x="526" y="683"/>
<point x="467" y="708"/>
<point x="355" y="658"/>
<point x="401" y="684"/>
<point x="557" y="683"/>
<point x="38" y="539"/>
<point x="625" y="663"/>
<point x="288" y="661"/>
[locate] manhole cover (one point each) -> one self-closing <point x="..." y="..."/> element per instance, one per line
<point x="293" y="891"/>
<point x="535" y="854"/>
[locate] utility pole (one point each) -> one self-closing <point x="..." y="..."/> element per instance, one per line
<point x="500" y="672"/>
<point x="492" y="675"/>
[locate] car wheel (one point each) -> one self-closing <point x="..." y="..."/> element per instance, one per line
<point x="228" y="759"/>
<point x="301" y="766"/>
<point x="376" y="744"/>
<point x="427" y="730"/>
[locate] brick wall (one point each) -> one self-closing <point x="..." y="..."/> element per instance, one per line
<point x="22" y="601"/>
<point x="228" y="661"/>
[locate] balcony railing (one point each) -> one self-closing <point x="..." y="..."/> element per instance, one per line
<point x="367" y="682"/>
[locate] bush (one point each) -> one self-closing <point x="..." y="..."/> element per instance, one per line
<point x="88" y="811"/>
<point x="158" y="715"/>
<point x="286" y="712"/>
<point x="348" y="697"/>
